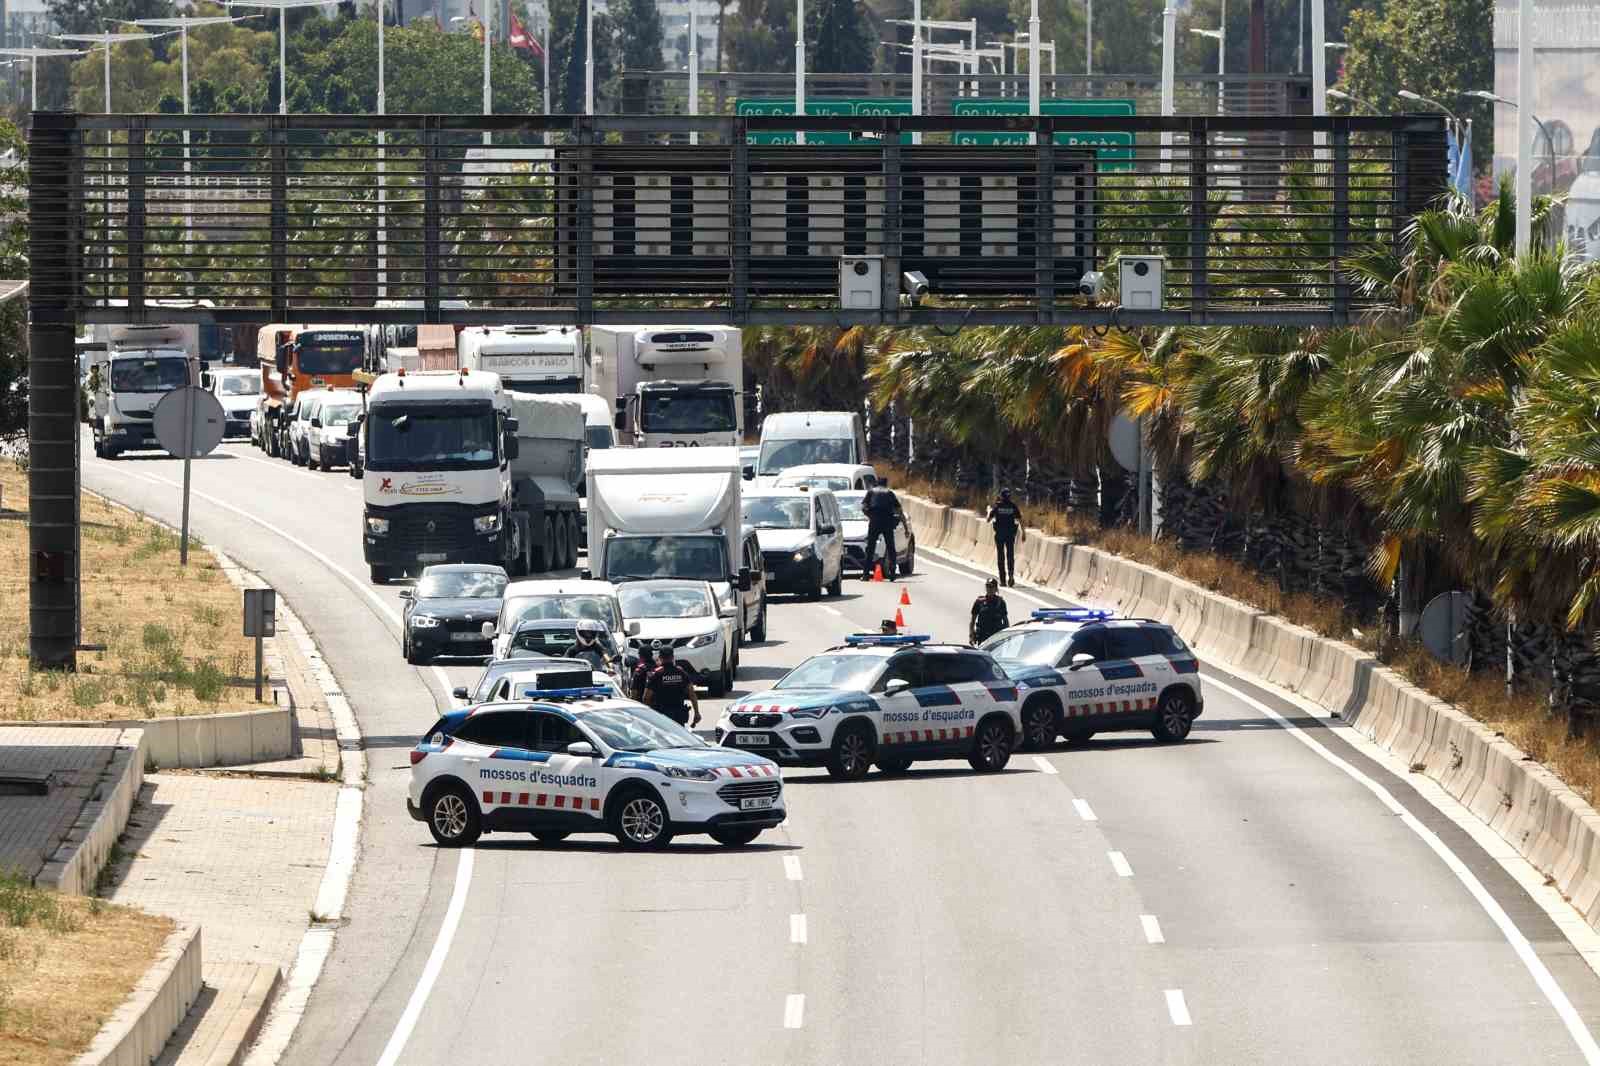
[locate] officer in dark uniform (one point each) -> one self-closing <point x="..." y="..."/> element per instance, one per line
<point x="989" y="614"/>
<point x="642" y="671"/>
<point x="882" y="508"/>
<point x="1006" y="518"/>
<point x="670" y="687"/>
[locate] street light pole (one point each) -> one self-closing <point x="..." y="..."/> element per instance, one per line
<point x="588" y="57"/>
<point x="383" y="172"/>
<point x="1550" y="142"/>
<point x="694" y="70"/>
<point x="1319" y="67"/>
<point x="1088" y="37"/>
<point x="1169" y="46"/>
<point x="916" y="64"/>
<point x="488" y="38"/>
<point x="1034" y="68"/>
<point x="282" y="7"/>
<point x="1525" y="93"/>
<point x="800" y="70"/>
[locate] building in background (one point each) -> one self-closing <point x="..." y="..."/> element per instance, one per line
<point x="675" y="31"/>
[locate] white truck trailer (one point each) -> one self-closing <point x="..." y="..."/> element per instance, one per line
<point x="531" y="359"/>
<point x="673" y="386"/>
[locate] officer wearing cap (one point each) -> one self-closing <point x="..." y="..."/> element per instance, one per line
<point x="670" y="686"/>
<point x="989" y="614"/>
<point x="887" y="628"/>
<point x="1006" y="518"/>
<point x="642" y="671"/>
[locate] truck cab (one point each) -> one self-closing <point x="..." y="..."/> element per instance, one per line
<point x="529" y="359"/>
<point x="124" y="391"/>
<point x="673" y="386"/>
<point x="295" y="359"/>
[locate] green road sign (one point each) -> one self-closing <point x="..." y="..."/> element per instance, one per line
<point x="1115" y="149"/>
<point x="824" y="106"/>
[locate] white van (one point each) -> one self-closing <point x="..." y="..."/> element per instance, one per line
<point x="803" y="438"/>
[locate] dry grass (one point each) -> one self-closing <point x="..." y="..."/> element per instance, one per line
<point x="172" y="633"/>
<point x="66" y="962"/>
<point x="1523" y="717"/>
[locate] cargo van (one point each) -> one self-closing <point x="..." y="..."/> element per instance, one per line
<point x="804" y="438"/>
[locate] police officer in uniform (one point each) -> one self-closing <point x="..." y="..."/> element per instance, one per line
<point x="642" y="670"/>
<point x="989" y="614"/>
<point x="671" y="685"/>
<point x="882" y="508"/>
<point x="1006" y="518"/>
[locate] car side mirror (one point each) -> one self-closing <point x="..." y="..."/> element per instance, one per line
<point x="895" y="687"/>
<point x="1081" y="659"/>
<point x="620" y="422"/>
<point x="459" y="692"/>
<point x="407" y="594"/>
<point x="352" y="428"/>
<point x="749" y="473"/>
<point x="316" y="423"/>
<point x="825" y="530"/>
<point x="633" y="629"/>
<point x="487" y="631"/>
<point x="512" y="425"/>
<point x="206" y="380"/>
<point x="743" y="580"/>
<point x="512" y="448"/>
<point x="582" y="749"/>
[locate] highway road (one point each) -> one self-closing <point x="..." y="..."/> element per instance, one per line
<point x="1239" y="898"/>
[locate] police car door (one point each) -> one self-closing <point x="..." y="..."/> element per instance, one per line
<point x="569" y="792"/>
<point x="498" y="769"/>
<point x="1084" y="698"/>
<point x="900" y="712"/>
<point x="1130" y="688"/>
<point x="955" y="696"/>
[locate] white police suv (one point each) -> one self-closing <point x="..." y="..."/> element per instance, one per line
<point x="1083" y="671"/>
<point x="580" y="760"/>
<point x="884" y="700"/>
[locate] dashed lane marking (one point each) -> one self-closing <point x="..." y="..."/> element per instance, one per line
<point x="1152" y="929"/>
<point x="1044" y="765"/>
<point x="1084" y="810"/>
<point x="797" y="929"/>
<point x="1119" y="863"/>
<point x="791" y="867"/>
<point x="794" y="1010"/>
<point x="1177" y="1008"/>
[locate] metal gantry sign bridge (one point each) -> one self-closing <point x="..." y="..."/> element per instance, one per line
<point x="578" y="220"/>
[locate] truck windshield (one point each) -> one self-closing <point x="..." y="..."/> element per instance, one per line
<point x="692" y="558"/>
<point x="406" y="437"/>
<point x="779" y="455"/>
<point x="148" y="375"/>
<point x="331" y="353"/>
<point x="598" y="436"/>
<point x="535" y="386"/>
<point x="692" y="411"/>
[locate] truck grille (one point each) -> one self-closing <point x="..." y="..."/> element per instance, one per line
<point x="409" y="530"/>
<point x="738" y="790"/>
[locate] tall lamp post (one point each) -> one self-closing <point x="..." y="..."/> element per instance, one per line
<point x="36" y="54"/>
<point x="1340" y="94"/>
<point x="1220" y="35"/>
<point x="282" y="8"/>
<point x="487" y="7"/>
<point x="1550" y="142"/>
<point x="1169" y="47"/>
<point x="105" y="40"/>
<point x="694" y="70"/>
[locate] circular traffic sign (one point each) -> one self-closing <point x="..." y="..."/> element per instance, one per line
<point x="181" y="409"/>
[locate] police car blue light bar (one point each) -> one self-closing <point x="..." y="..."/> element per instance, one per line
<point x="1072" y="614"/>
<point x="867" y="640"/>
<point x="591" y="692"/>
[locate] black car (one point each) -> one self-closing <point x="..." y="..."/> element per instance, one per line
<point x="445" y="612"/>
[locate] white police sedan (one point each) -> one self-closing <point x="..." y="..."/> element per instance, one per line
<point x="884" y="700"/>
<point x="580" y="760"/>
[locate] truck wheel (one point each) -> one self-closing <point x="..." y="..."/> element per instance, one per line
<point x="836" y="587"/>
<point x="561" y="546"/>
<point x="99" y="449"/>
<point x="544" y="557"/>
<point x="313" y="459"/>
<point x="380" y="575"/>
<point x="574" y="540"/>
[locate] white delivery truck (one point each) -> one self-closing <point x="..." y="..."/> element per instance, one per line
<point x="658" y="513"/>
<point x="805" y="438"/>
<point x="535" y="359"/>
<point x="124" y="391"/>
<point x="673" y="386"/>
<point x="456" y="469"/>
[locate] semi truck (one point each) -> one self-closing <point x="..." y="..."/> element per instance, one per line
<point x="457" y="469"/>
<point x="673" y="386"/>
<point x="533" y="359"/>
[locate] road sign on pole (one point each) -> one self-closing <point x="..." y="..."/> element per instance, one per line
<point x="188" y="423"/>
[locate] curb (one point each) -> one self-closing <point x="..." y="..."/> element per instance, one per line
<point x="137" y="1030"/>
<point x="207" y="741"/>
<point x="76" y="863"/>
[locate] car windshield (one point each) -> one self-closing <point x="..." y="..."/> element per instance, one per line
<point x="239" y="385"/>
<point x="639" y="729"/>
<point x="338" y="414"/>
<point x="1036" y="647"/>
<point x="462" y="585"/>
<point x="779" y="455"/>
<point x="558" y="606"/>
<point x="406" y="437"/>
<point x="331" y="353"/>
<point x="818" y="481"/>
<point x="556" y="641"/>
<point x="148" y="375"/>
<point x="664" y="603"/>
<point x="834" y="671"/>
<point x="777" y="512"/>
<point x="692" y="411"/>
<point x="850" y="508"/>
<point x="689" y="558"/>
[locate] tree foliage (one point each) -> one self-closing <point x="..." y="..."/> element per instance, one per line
<point x="1437" y="48"/>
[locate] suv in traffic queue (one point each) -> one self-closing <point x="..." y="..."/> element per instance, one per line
<point x="802" y="545"/>
<point x="888" y="700"/>
<point x="581" y="760"/>
<point x="1086" y="671"/>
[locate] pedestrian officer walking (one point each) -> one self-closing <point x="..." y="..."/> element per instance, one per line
<point x="882" y="508"/>
<point x="1006" y="518"/>
<point x="989" y="614"/>
<point x="670" y="689"/>
<point x="642" y="671"/>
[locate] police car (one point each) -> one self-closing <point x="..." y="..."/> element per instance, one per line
<point x="1087" y="671"/>
<point x="580" y="760"/>
<point x="889" y="700"/>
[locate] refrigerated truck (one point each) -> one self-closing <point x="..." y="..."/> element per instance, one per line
<point x="531" y="359"/>
<point x="673" y="386"/>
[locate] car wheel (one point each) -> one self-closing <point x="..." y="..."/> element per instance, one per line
<point x="380" y="574"/>
<point x="717" y="685"/>
<point x="314" y="458"/>
<point x="758" y="632"/>
<point x="893" y="764"/>
<point x="852" y="753"/>
<point x="909" y="567"/>
<point x="1040" y="723"/>
<point x="453" y="817"/>
<point x="99" y="448"/>
<point x="837" y="587"/>
<point x="550" y="836"/>
<point x="991" y="748"/>
<point x="639" y="820"/>
<point x="1173" y="717"/>
<point x="734" y="838"/>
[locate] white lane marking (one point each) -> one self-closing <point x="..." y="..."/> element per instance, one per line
<point x="791" y="867"/>
<point x="1044" y="765"/>
<point x="1152" y="929"/>
<point x="794" y="1011"/>
<point x="1575" y="1025"/>
<point x="435" y="963"/>
<point x="1177" y="1007"/>
<point x="282" y="464"/>
<point x="1084" y="811"/>
<point x="797" y="929"/>
<point x="1119" y="863"/>
<point x="832" y="610"/>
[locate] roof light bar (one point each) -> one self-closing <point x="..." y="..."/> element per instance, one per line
<point x="1072" y="614"/>
<point x="533" y="692"/>
<point x="868" y="640"/>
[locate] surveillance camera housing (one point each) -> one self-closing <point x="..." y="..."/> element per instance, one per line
<point x="915" y="283"/>
<point x="1092" y="284"/>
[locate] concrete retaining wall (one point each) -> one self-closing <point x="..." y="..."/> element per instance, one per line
<point x="201" y="741"/>
<point x="77" y="861"/>
<point x="1527" y="805"/>
<point x="135" y="1034"/>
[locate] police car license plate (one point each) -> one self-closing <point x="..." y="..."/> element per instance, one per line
<point x="749" y="738"/>
<point x="756" y="803"/>
<point x="432" y="557"/>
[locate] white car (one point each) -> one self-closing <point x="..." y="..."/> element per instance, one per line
<point x="534" y="669"/>
<point x="801" y="536"/>
<point x="852" y="511"/>
<point x="685" y="615"/>
<point x="1083" y="672"/>
<point x="327" y="437"/>
<point x="305" y="410"/>
<point x="549" y="674"/>
<point x="237" y="390"/>
<point x="838" y="477"/>
<point x="584" y="761"/>
<point x="884" y="700"/>
<point x="555" y="599"/>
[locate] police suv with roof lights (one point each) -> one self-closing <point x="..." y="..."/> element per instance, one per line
<point x="580" y="760"/>
<point x="889" y="700"/>
<point x="1082" y="671"/>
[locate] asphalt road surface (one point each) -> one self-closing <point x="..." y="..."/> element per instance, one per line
<point x="1234" y="899"/>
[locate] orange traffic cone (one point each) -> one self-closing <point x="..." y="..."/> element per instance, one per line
<point x="905" y="597"/>
<point x="899" y="619"/>
<point x="877" y="572"/>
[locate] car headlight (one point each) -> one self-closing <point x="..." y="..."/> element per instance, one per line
<point x="688" y="773"/>
<point x="486" y="523"/>
<point x="378" y="526"/>
<point x="424" y="621"/>
<point x="808" y="712"/>
<point x="704" y="640"/>
<point x="802" y="555"/>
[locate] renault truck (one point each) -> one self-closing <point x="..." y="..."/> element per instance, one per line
<point x="673" y="386"/>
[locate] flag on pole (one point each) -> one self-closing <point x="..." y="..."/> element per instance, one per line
<point x="1458" y="140"/>
<point x="521" y="38"/>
